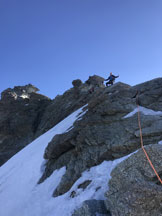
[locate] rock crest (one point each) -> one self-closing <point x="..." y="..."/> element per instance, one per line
<point x="103" y="132"/>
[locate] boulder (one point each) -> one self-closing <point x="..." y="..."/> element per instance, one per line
<point x="95" y="80"/>
<point x="134" y="188"/>
<point x="77" y="83"/>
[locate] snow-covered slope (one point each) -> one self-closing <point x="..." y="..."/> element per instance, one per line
<point x="20" y="195"/>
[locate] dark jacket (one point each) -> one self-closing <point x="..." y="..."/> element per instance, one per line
<point x="111" y="78"/>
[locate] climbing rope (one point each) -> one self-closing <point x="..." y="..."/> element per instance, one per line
<point x="142" y="146"/>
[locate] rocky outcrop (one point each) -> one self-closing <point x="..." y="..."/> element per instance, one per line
<point x="150" y="94"/>
<point x="134" y="188"/>
<point x="91" y="208"/>
<point x="25" y="114"/>
<point x="20" y="111"/>
<point x="77" y="83"/>
<point x="71" y="100"/>
<point x="18" y="93"/>
<point x="103" y="133"/>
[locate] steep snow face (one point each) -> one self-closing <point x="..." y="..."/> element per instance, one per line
<point x="19" y="176"/>
<point x="20" y="194"/>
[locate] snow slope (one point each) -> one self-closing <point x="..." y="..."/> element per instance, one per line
<point x="20" y="195"/>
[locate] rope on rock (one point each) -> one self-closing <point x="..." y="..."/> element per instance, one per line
<point x="142" y="146"/>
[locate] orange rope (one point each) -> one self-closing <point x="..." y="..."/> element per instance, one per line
<point x="142" y="146"/>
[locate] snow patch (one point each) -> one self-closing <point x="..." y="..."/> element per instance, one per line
<point x="79" y="117"/>
<point x="144" y="110"/>
<point x="24" y="96"/>
<point x="160" y="142"/>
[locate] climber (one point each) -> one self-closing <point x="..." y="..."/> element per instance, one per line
<point x="111" y="79"/>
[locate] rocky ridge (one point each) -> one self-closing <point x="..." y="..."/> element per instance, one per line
<point x="26" y="114"/>
<point x="104" y="131"/>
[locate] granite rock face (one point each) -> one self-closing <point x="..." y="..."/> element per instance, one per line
<point x="106" y="129"/>
<point x="150" y="94"/>
<point x="20" y="111"/>
<point x="25" y="114"/>
<point x="134" y="188"/>
<point x="103" y="132"/>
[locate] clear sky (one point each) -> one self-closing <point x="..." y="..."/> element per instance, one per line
<point x="49" y="43"/>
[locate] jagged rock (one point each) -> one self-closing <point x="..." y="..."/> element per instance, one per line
<point x="92" y="208"/>
<point x="150" y="94"/>
<point x="134" y="188"/>
<point x="77" y="83"/>
<point x="18" y="92"/>
<point x="20" y="113"/>
<point x="35" y="113"/>
<point x="71" y="100"/>
<point x="85" y="184"/>
<point x="102" y="134"/>
<point x="95" y="80"/>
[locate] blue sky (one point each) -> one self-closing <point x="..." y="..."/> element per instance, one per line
<point x="49" y="43"/>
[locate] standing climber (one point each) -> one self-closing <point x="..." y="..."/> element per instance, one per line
<point x="111" y="79"/>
